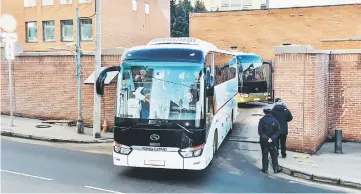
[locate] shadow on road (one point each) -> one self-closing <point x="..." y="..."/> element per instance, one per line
<point x="167" y="175"/>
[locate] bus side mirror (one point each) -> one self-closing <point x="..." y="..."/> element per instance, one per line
<point x="102" y="76"/>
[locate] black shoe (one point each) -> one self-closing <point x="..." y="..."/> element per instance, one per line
<point x="277" y="171"/>
<point x="264" y="171"/>
<point x="284" y="156"/>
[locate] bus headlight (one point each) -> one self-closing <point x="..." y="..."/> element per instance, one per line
<point x="121" y="149"/>
<point x="244" y="95"/>
<point x="191" y="152"/>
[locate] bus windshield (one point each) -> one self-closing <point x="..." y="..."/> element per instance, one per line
<point x="252" y="68"/>
<point x="160" y="90"/>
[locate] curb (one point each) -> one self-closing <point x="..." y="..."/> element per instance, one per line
<point x="34" y="137"/>
<point x="321" y="179"/>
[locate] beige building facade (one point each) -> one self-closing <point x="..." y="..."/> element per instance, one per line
<point x="52" y="23"/>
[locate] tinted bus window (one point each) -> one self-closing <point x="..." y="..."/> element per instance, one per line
<point x="225" y="67"/>
<point x="166" y="54"/>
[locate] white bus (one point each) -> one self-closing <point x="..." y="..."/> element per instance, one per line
<point x="255" y="78"/>
<point x="176" y="102"/>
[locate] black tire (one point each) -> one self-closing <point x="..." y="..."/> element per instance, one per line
<point x="215" y="143"/>
<point x="214" y="147"/>
<point x="232" y="118"/>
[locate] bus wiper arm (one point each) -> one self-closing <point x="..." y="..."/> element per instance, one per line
<point x="127" y="128"/>
<point x="181" y="126"/>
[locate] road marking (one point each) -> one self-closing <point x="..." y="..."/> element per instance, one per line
<point x="28" y="175"/>
<point x="100" y="189"/>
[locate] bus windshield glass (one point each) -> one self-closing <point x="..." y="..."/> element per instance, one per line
<point x="160" y="91"/>
<point x="252" y="68"/>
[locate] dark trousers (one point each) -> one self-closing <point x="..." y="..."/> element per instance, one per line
<point x="282" y="140"/>
<point x="271" y="148"/>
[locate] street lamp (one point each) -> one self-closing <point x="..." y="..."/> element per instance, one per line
<point x="80" y="123"/>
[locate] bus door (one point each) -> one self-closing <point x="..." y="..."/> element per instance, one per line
<point x="268" y="73"/>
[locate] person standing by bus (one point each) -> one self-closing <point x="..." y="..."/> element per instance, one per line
<point x="269" y="130"/>
<point x="283" y="116"/>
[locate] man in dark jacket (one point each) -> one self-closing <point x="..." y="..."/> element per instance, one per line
<point x="283" y="116"/>
<point x="269" y="130"/>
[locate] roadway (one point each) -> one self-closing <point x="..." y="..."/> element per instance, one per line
<point x="36" y="167"/>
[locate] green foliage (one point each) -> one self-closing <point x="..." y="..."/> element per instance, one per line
<point x="180" y="16"/>
<point x="199" y="7"/>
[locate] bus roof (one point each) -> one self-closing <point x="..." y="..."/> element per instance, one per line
<point x="180" y="42"/>
<point x="240" y="53"/>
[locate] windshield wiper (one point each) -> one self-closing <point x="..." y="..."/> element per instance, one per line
<point x="168" y="81"/>
<point x="181" y="126"/>
<point x="127" y="128"/>
<point x="161" y="121"/>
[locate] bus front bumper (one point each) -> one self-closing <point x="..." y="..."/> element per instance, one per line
<point x="252" y="98"/>
<point x="153" y="159"/>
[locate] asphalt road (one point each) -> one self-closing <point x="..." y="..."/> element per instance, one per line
<point x="39" y="168"/>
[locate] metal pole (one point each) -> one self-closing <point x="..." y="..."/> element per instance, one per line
<point x="96" y="113"/>
<point x="338" y="141"/>
<point x="80" y="125"/>
<point x="11" y="92"/>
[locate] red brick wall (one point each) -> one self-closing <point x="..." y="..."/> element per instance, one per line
<point x="322" y="95"/>
<point x="46" y="87"/>
<point x="301" y="80"/>
<point x="344" y="97"/>
<point x="289" y="85"/>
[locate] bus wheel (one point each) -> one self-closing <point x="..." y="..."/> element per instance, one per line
<point x="214" y="147"/>
<point x="232" y="118"/>
<point x="215" y="143"/>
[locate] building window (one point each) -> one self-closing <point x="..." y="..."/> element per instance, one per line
<point x="49" y="31"/>
<point x="29" y="3"/>
<point x="146" y="7"/>
<point x="67" y="30"/>
<point x="47" y="2"/>
<point x="62" y="2"/>
<point x="84" y="1"/>
<point x="134" y="5"/>
<point x="31" y="32"/>
<point x="86" y="29"/>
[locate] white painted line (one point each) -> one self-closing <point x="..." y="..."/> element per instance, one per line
<point x="28" y="175"/>
<point x="100" y="189"/>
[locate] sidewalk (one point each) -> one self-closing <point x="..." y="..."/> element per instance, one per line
<point x="26" y="128"/>
<point x="325" y="166"/>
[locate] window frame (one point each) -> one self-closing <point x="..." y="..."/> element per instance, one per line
<point x="66" y="2"/>
<point x="84" y="1"/>
<point x="134" y="5"/>
<point x="44" y="35"/>
<point x="61" y="30"/>
<point x="44" y="5"/>
<point x="27" y="32"/>
<point x="33" y="4"/>
<point x="81" y="29"/>
<point x="146" y="5"/>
